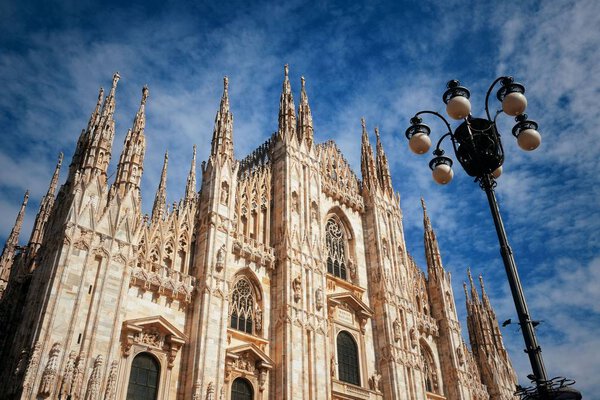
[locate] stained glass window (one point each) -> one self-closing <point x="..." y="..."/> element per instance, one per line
<point x="336" y="249"/>
<point x="242" y="306"/>
<point x="347" y="353"/>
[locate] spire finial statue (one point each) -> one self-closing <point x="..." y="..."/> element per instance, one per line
<point x="160" y="200"/>
<point x="222" y="140"/>
<point x="190" y="187"/>
<point x="305" y="122"/>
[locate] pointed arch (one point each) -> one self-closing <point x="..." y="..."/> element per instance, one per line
<point x="348" y="359"/>
<point x="430" y="372"/>
<point x="245" y="303"/>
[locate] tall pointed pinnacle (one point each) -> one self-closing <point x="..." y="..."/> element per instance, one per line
<point x="131" y="161"/>
<point x="466" y="295"/>
<point x="8" y="253"/>
<point x="484" y="297"/>
<point x="160" y="201"/>
<point x="432" y="249"/>
<point x="287" y="111"/>
<point x="222" y="140"/>
<point x="190" y="187"/>
<point x="367" y="162"/>
<point x="99" y="138"/>
<point x="474" y="295"/>
<point x="305" y="123"/>
<point x="383" y="168"/>
<point x="43" y="214"/>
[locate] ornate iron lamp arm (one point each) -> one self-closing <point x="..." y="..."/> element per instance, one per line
<point x="487" y="96"/>
<point x="450" y="133"/>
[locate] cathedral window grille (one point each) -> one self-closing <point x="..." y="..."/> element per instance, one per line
<point x="242" y="306"/>
<point x="143" y="379"/>
<point x="336" y="249"/>
<point x="241" y="390"/>
<point x="347" y="353"/>
<point x="430" y="375"/>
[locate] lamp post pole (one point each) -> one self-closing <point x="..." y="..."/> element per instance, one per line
<point x="478" y="148"/>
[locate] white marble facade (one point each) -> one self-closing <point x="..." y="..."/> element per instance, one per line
<point x="285" y="277"/>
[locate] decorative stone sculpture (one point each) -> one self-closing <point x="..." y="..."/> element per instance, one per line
<point x="319" y="299"/>
<point x="210" y="391"/>
<point x="397" y="330"/>
<point x="220" y="259"/>
<point x="258" y="319"/>
<point x="34" y="360"/>
<point x="297" y="286"/>
<point x="374" y="381"/>
<point x="67" y="381"/>
<point x="111" y="382"/>
<point x="413" y="337"/>
<point x="95" y="381"/>
<point x="50" y="372"/>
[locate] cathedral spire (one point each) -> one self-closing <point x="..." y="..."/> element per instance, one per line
<point x="8" y="253"/>
<point x="474" y="295"/>
<point x="305" y="122"/>
<point x="484" y="297"/>
<point x="287" y="113"/>
<point x="160" y="201"/>
<point x="222" y="140"/>
<point x="190" y="187"/>
<point x="367" y="162"/>
<point x="131" y="162"/>
<point x="383" y="168"/>
<point x="432" y="249"/>
<point x="37" y="234"/>
<point x="99" y="138"/>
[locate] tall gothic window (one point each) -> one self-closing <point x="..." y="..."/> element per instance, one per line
<point x="241" y="390"/>
<point x="143" y="381"/>
<point x="336" y="249"/>
<point x="242" y="306"/>
<point x="431" y="383"/>
<point x="347" y="352"/>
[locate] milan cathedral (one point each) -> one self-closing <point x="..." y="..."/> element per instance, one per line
<point x="284" y="277"/>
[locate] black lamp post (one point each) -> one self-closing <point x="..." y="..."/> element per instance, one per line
<point x="478" y="148"/>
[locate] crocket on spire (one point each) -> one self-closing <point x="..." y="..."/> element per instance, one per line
<point x="287" y="113"/>
<point x="190" y="187"/>
<point x="305" y="123"/>
<point x="160" y="200"/>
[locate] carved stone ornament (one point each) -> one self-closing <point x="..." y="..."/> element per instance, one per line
<point x="297" y="287"/>
<point x="319" y="299"/>
<point x="34" y="361"/>
<point x="258" y="319"/>
<point x="50" y="372"/>
<point x="67" y="381"/>
<point x="210" y="391"/>
<point x="220" y="259"/>
<point x="397" y="330"/>
<point x="95" y="381"/>
<point x="460" y="355"/>
<point x="375" y="382"/>
<point x="111" y="382"/>
<point x="413" y="337"/>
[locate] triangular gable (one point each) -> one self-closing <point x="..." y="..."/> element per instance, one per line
<point x="351" y="300"/>
<point x="157" y="321"/>
<point x="266" y="361"/>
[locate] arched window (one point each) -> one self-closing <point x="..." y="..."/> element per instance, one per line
<point x="429" y="372"/>
<point x="241" y="390"/>
<point x="242" y="306"/>
<point x="336" y="249"/>
<point x="347" y="353"/>
<point x="143" y="380"/>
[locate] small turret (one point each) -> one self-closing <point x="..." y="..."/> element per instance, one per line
<point x="99" y="138"/>
<point x="190" y="186"/>
<point x="131" y="162"/>
<point x="367" y="162"/>
<point x="432" y="249"/>
<point x="305" y="122"/>
<point x="160" y="200"/>
<point x="8" y="253"/>
<point x="37" y="234"/>
<point x="383" y="168"/>
<point x="287" y="110"/>
<point x="222" y="140"/>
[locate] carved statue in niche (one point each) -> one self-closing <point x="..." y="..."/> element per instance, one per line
<point x="297" y="287"/>
<point x="258" y="319"/>
<point x="460" y="354"/>
<point x="375" y="382"/>
<point x="314" y="212"/>
<point x="397" y="330"/>
<point x="224" y="199"/>
<point x="262" y="378"/>
<point x="352" y="269"/>
<point x="413" y="337"/>
<point x="332" y="366"/>
<point x="50" y="372"/>
<point x="319" y="298"/>
<point x="220" y="259"/>
<point x="295" y="203"/>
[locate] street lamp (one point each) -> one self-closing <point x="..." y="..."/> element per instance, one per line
<point x="478" y="149"/>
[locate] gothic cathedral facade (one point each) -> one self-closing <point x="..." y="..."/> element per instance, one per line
<point x="284" y="277"/>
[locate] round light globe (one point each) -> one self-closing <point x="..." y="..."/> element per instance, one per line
<point x="442" y="174"/>
<point x="497" y="172"/>
<point x="529" y="139"/>
<point x="458" y="107"/>
<point x="514" y="104"/>
<point x="419" y="143"/>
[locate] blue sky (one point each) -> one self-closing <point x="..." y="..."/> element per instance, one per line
<point x="381" y="60"/>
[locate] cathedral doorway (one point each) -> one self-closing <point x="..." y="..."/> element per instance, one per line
<point x="143" y="381"/>
<point x="241" y="390"/>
